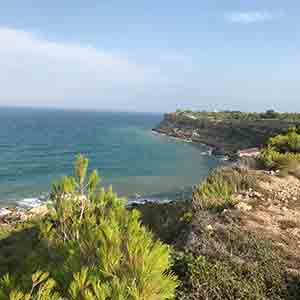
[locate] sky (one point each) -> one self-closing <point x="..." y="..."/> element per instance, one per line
<point x="154" y="56"/>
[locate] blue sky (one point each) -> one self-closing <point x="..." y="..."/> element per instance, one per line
<point x="150" y="55"/>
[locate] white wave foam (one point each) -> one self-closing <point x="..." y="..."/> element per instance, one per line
<point x="148" y="200"/>
<point x="4" y="212"/>
<point x="35" y="202"/>
<point x="29" y="202"/>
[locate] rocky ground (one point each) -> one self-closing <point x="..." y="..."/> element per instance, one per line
<point x="272" y="212"/>
<point x="14" y="215"/>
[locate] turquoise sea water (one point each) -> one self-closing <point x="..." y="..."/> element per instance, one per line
<point x="38" y="146"/>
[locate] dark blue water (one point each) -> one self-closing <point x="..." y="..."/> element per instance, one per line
<point x="38" y="146"/>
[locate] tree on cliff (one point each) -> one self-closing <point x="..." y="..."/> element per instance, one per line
<point x="270" y="114"/>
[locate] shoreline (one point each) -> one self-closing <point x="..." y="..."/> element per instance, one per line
<point x="213" y="150"/>
<point x="184" y="139"/>
<point x="17" y="214"/>
<point x="27" y="204"/>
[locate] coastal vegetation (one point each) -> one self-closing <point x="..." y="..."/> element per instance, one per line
<point x="282" y="152"/>
<point x="231" y="245"/>
<point x="218" y="189"/>
<point x="89" y="247"/>
<point x="230" y="264"/>
<point x="239" y="115"/>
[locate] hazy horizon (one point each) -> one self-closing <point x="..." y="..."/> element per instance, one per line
<point x="83" y="109"/>
<point x="150" y="57"/>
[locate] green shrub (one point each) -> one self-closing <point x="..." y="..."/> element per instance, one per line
<point x="289" y="142"/>
<point x="94" y="248"/>
<point x="213" y="192"/>
<point x="281" y="161"/>
<point x="216" y="192"/>
<point x="165" y="220"/>
<point x="283" y="151"/>
<point x="214" y="280"/>
<point x="234" y="266"/>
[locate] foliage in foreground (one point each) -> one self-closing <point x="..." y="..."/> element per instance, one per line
<point x="217" y="190"/>
<point x="92" y="247"/>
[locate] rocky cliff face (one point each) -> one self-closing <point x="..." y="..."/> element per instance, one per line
<point x="225" y="136"/>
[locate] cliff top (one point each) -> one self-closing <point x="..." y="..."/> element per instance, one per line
<point x="238" y="115"/>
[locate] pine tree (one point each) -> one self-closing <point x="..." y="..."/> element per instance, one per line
<point x="106" y="253"/>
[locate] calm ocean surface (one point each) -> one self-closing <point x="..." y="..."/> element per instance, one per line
<point x="38" y="146"/>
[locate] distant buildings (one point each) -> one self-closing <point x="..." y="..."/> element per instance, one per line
<point x="250" y="152"/>
<point x="191" y="117"/>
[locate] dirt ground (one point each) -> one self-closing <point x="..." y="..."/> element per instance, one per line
<point x="272" y="212"/>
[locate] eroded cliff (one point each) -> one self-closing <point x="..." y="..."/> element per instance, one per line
<point x="225" y="136"/>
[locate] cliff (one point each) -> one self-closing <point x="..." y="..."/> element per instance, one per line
<point x="225" y="135"/>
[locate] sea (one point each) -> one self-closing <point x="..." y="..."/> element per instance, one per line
<point x="38" y="146"/>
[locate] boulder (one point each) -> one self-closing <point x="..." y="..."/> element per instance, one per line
<point x="4" y="212"/>
<point x="39" y="210"/>
<point x="242" y="206"/>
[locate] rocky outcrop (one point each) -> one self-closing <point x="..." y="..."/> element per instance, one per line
<point x="225" y="136"/>
<point x="17" y="214"/>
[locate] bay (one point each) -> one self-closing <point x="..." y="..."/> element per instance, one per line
<point x="38" y="146"/>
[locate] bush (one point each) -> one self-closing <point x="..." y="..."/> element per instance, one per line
<point x="283" y="151"/>
<point x="165" y="220"/>
<point x="205" y="279"/>
<point x="289" y="142"/>
<point x="95" y="249"/>
<point x="234" y="265"/>
<point x="216" y="192"/>
<point x="213" y="193"/>
<point x="287" y="163"/>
